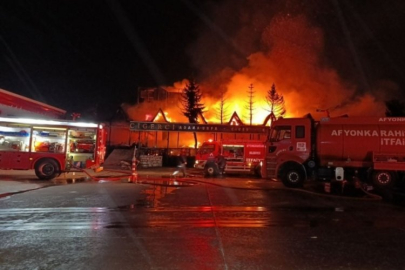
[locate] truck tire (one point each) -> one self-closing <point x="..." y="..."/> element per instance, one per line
<point x="210" y="170"/>
<point x="47" y="169"/>
<point x="293" y="177"/>
<point x="383" y="179"/>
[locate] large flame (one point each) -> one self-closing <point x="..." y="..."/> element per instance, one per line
<point x="291" y="58"/>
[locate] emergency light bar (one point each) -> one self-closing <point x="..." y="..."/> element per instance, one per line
<point x="47" y="122"/>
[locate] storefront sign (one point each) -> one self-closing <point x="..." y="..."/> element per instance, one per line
<point x="184" y="127"/>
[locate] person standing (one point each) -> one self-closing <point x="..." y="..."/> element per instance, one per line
<point x="182" y="164"/>
<point x="221" y="161"/>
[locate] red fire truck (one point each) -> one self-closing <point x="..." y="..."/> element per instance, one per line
<point x="50" y="147"/>
<point x="367" y="149"/>
<point x="241" y="156"/>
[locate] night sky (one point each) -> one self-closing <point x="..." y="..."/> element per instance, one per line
<point x="82" y="55"/>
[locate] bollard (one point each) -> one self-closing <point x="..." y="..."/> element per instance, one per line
<point x="134" y="174"/>
<point x="327" y="187"/>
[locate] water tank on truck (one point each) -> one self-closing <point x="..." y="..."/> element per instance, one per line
<point x="369" y="148"/>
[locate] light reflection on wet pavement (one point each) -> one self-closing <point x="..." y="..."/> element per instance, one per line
<point x="150" y="212"/>
<point x="99" y="218"/>
<point x="146" y="212"/>
<point x="178" y="224"/>
<point x="150" y="215"/>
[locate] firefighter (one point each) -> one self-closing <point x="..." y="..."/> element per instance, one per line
<point x="182" y="163"/>
<point x="221" y="161"/>
<point x="211" y="167"/>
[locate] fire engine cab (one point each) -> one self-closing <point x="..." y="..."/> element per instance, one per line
<point x="241" y="156"/>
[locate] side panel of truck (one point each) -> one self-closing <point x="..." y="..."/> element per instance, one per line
<point x="241" y="156"/>
<point x="358" y="142"/>
<point x="372" y="148"/>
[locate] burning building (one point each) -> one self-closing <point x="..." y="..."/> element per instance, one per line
<point x="266" y="43"/>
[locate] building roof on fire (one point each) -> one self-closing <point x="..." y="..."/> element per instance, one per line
<point x="235" y="119"/>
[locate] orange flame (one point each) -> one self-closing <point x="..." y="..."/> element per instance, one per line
<point x="291" y="59"/>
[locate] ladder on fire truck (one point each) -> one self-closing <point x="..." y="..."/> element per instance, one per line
<point x="271" y="165"/>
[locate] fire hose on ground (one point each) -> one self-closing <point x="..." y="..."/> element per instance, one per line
<point x="132" y="177"/>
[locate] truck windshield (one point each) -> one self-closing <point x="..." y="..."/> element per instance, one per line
<point x="280" y="133"/>
<point x="206" y="149"/>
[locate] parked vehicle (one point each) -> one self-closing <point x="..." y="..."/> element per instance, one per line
<point x="50" y="147"/>
<point x="366" y="149"/>
<point x="241" y="156"/>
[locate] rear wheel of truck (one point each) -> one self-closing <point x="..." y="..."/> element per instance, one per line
<point x="210" y="171"/>
<point x="293" y="177"/>
<point x="383" y="179"/>
<point x="46" y="169"/>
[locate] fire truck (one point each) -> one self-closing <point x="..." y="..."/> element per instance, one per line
<point x="50" y="147"/>
<point x="368" y="150"/>
<point x="241" y="156"/>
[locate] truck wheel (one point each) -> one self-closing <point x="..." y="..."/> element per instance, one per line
<point x="46" y="169"/>
<point x="382" y="179"/>
<point x="210" y="171"/>
<point x="293" y="178"/>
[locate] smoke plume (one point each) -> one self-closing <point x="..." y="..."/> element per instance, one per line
<point x="261" y="43"/>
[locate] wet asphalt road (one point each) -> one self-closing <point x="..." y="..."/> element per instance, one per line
<point x="161" y="224"/>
